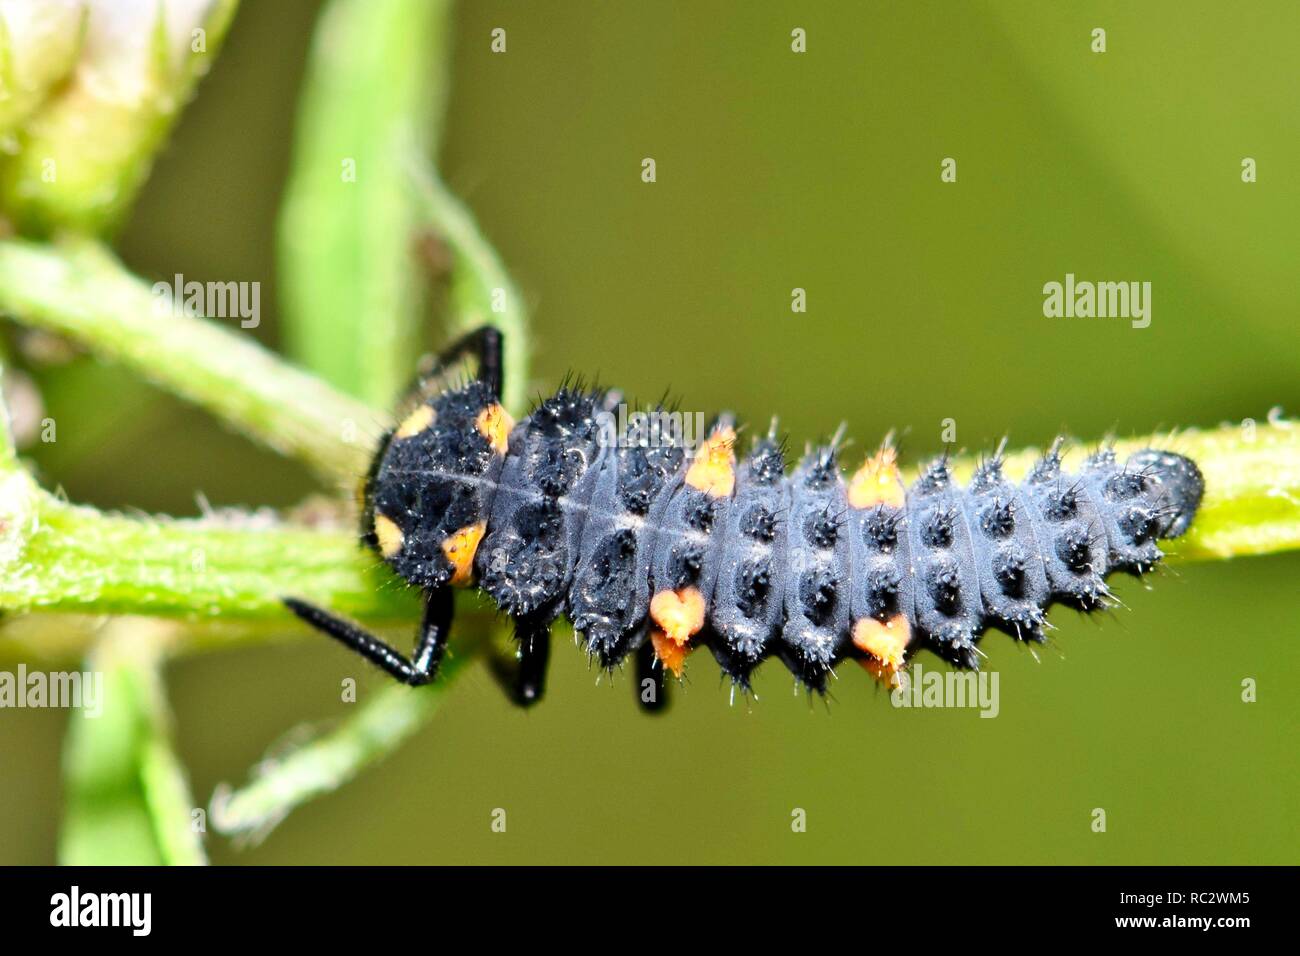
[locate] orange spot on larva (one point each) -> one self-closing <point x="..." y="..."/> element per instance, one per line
<point x="713" y="470"/>
<point x="389" y="535"/>
<point x="671" y="654"/>
<point x="679" y="613"/>
<point x="886" y="642"/>
<point x="494" y="424"/>
<point x="460" y="549"/>
<point x="416" y="422"/>
<point x="891" y="677"/>
<point x="877" y="482"/>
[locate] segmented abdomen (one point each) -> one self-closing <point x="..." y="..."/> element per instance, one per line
<point x="637" y="541"/>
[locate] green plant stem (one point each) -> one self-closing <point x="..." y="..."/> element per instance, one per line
<point x="332" y="759"/>
<point x="128" y="800"/>
<point x="56" y="556"/>
<point x="353" y="287"/>
<point x="482" y="292"/>
<point x="62" y="557"/>
<point x="81" y="290"/>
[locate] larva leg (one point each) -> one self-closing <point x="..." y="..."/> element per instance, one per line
<point x="485" y="345"/>
<point x="431" y="640"/>
<point x="652" y="696"/>
<point x="524" y="678"/>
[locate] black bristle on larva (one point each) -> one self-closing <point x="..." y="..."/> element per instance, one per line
<point x="1047" y="468"/>
<point x="759" y="523"/>
<point x="881" y="528"/>
<point x="988" y="476"/>
<point x="998" y="518"/>
<point x="736" y="664"/>
<point x="936" y="527"/>
<point x="935" y="479"/>
<point x="767" y="463"/>
<point x="656" y="549"/>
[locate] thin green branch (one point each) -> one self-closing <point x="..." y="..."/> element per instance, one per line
<point x="162" y="776"/>
<point x="55" y="556"/>
<point x="482" y="292"/>
<point x="330" y="760"/>
<point x="128" y="800"/>
<point x="353" y="286"/>
<point x="80" y="290"/>
<point x="61" y="557"/>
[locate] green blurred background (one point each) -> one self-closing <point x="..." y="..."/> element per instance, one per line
<point x="778" y="170"/>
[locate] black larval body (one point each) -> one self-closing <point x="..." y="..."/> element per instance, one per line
<point x="622" y="537"/>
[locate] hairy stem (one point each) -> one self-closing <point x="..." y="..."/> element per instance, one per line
<point x="62" y="557"/>
<point x="330" y="760"/>
<point x="81" y="290"/>
<point x="56" y="556"/>
<point x="482" y="292"/>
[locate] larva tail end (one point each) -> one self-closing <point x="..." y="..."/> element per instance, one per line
<point x="1181" y="487"/>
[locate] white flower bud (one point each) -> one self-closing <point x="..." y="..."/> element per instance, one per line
<point x="84" y="152"/>
<point x="39" y="41"/>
